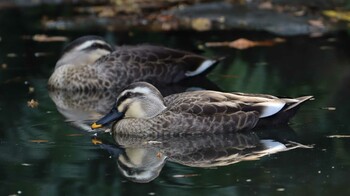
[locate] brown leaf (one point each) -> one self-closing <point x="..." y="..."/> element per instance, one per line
<point x="266" y="5"/>
<point x="243" y="43"/>
<point x="32" y="103"/>
<point x="45" y="38"/>
<point x="317" y="23"/>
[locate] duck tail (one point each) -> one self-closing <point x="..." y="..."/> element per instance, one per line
<point x="287" y="112"/>
<point x="294" y="104"/>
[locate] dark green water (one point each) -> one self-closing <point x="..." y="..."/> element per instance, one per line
<point x="42" y="154"/>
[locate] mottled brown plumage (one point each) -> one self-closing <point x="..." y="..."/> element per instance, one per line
<point x="91" y="64"/>
<point x="141" y="110"/>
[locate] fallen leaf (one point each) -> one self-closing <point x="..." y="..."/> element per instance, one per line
<point x="4" y="66"/>
<point x="159" y="155"/>
<point x="243" y="43"/>
<point x="317" y="23"/>
<point x="45" y="38"/>
<point x="39" y="141"/>
<point x="299" y="13"/>
<point x="96" y="141"/>
<point x="32" y="103"/>
<point x="339" y="15"/>
<point x="201" y="24"/>
<point x="267" y="5"/>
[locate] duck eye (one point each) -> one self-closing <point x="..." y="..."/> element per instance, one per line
<point x="128" y="94"/>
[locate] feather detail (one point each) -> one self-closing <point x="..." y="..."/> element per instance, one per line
<point x="269" y="108"/>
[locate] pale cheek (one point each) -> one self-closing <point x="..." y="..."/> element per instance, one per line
<point x="135" y="111"/>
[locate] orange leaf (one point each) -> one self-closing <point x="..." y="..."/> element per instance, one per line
<point x="32" y="103"/>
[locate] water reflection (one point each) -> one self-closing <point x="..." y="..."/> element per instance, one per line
<point x="141" y="159"/>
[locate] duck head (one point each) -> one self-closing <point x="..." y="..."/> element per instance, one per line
<point x="84" y="50"/>
<point x="138" y="100"/>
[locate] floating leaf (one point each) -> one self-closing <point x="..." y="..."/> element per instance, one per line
<point x="32" y="103"/>
<point x="201" y="24"/>
<point x="317" y="23"/>
<point x="243" y="43"/>
<point x="96" y="141"/>
<point x="339" y="15"/>
<point x="159" y="155"/>
<point x="45" y="38"/>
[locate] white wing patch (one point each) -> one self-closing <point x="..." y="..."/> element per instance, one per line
<point x="204" y="66"/>
<point x="270" y="108"/>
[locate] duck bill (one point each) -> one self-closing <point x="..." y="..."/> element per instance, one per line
<point x="112" y="116"/>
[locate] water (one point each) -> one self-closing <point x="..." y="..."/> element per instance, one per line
<point x="43" y="154"/>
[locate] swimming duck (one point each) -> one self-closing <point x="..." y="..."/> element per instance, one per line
<point x="89" y="63"/>
<point x="140" y="109"/>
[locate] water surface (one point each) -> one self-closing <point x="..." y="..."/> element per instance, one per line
<point x="43" y="154"/>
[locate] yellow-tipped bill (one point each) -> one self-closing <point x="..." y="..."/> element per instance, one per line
<point x="96" y="126"/>
<point x="112" y="116"/>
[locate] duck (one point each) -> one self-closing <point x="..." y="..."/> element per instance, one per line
<point x="89" y="63"/>
<point x="140" y="109"/>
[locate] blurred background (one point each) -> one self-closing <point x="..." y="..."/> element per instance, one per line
<point x="281" y="47"/>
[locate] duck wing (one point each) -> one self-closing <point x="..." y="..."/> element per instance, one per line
<point x="160" y="62"/>
<point x="213" y="102"/>
<point x="208" y="103"/>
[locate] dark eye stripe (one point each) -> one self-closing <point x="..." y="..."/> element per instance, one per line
<point x="126" y="96"/>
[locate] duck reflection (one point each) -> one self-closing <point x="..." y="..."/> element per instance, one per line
<point x="140" y="159"/>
